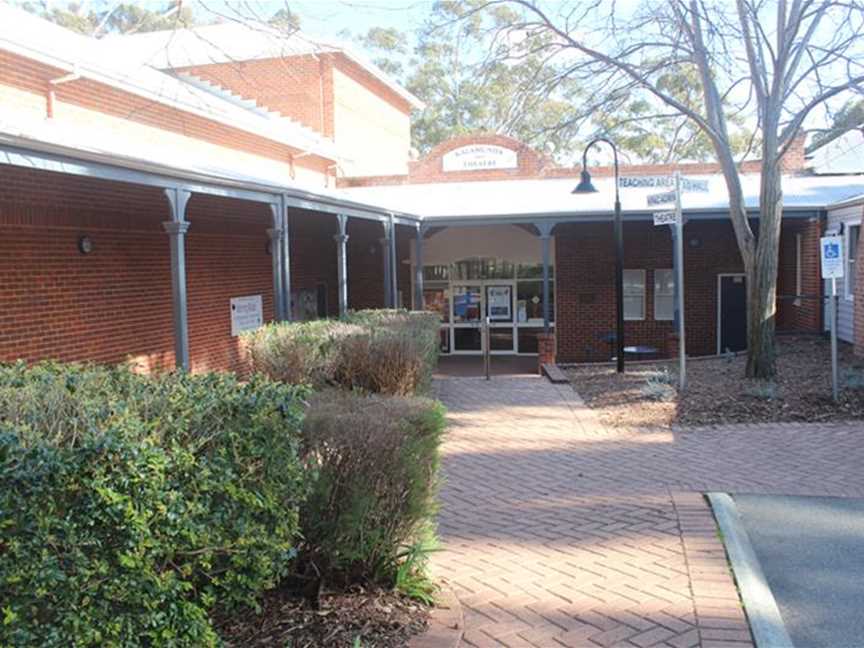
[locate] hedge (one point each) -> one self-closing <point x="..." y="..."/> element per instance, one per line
<point x="377" y="351"/>
<point x="131" y="506"/>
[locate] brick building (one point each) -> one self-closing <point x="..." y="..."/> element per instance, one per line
<point x="161" y="192"/>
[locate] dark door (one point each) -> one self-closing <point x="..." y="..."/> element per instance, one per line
<point x="733" y="314"/>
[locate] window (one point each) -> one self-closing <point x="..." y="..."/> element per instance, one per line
<point x="797" y="301"/>
<point x="664" y="295"/>
<point x="529" y="300"/>
<point x="634" y="294"/>
<point x="853" y="233"/>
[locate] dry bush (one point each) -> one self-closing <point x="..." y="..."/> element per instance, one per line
<point x="375" y="465"/>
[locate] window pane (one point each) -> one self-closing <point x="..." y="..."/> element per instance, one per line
<point x="529" y="300"/>
<point x="533" y="271"/>
<point x="664" y="294"/>
<point x="466" y="304"/>
<point x="528" y="339"/>
<point x="436" y="273"/>
<point x="634" y="294"/>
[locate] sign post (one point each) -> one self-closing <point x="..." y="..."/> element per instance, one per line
<point x="675" y="220"/>
<point x="831" y="255"/>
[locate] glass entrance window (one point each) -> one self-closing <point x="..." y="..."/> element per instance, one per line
<point x="499" y="302"/>
<point x="467" y="338"/>
<point x="466" y="304"/>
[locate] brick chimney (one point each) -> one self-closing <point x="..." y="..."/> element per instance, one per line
<point x="793" y="161"/>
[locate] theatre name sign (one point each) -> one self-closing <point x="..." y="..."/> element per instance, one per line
<point x="478" y="157"/>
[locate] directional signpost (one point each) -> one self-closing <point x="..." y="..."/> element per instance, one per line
<point x="831" y="255"/>
<point x="675" y="220"/>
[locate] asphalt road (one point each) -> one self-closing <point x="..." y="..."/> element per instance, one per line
<point x="811" y="550"/>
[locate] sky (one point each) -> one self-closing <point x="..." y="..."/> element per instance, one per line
<point x="330" y="18"/>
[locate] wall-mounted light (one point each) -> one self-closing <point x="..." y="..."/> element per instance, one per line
<point x="85" y="244"/>
<point x="695" y="242"/>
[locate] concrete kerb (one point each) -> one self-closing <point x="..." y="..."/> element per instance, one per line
<point x="446" y="623"/>
<point x="766" y="623"/>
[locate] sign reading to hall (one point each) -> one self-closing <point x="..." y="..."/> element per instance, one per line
<point x="246" y="314"/>
<point x="476" y="157"/>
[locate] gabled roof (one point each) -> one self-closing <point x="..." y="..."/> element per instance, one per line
<point x="109" y="63"/>
<point x="842" y="154"/>
<point x="241" y="41"/>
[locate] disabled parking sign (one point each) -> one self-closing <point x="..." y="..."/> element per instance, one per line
<point x="831" y="253"/>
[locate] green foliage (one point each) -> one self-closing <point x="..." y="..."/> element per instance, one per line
<point x="474" y="77"/>
<point x="132" y="505"/>
<point x="411" y="577"/>
<point x="114" y="18"/>
<point x="378" y="351"/>
<point x="374" y="465"/>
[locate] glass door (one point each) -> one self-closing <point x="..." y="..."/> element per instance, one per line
<point x="499" y="299"/>
<point x="467" y="304"/>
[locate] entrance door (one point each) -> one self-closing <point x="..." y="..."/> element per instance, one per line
<point x="499" y="296"/>
<point x="467" y="316"/>
<point x="732" y="312"/>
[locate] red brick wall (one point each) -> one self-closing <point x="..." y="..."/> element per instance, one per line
<point x="805" y="316"/>
<point x="585" y="284"/>
<point x="31" y="76"/>
<point x="115" y="303"/>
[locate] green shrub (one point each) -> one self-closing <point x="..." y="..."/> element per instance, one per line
<point x="377" y="351"/>
<point x="375" y="465"/>
<point x="130" y="506"/>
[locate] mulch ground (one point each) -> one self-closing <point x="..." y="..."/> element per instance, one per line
<point x="718" y="393"/>
<point x="367" y="618"/>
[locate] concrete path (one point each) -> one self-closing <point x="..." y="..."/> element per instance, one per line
<point x="811" y="551"/>
<point x="559" y="532"/>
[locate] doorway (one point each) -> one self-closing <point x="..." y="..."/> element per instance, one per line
<point x="472" y="303"/>
<point x="731" y="313"/>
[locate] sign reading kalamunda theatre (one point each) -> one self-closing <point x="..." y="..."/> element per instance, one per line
<point x="480" y="156"/>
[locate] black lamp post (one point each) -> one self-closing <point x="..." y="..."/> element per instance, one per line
<point x="585" y="186"/>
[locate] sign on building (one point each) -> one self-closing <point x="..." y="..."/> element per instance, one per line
<point x="831" y="253"/>
<point x="247" y="314"/>
<point x="480" y="156"/>
<point x="666" y="218"/>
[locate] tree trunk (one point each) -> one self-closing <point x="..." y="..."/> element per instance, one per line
<point x="762" y="276"/>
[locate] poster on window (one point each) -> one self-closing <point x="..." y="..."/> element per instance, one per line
<point x="499" y="299"/>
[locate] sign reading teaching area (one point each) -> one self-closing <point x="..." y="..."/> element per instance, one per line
<point x="480" y="156"/>
<point x="831" y="252"/>
<point x="247" y="314"/>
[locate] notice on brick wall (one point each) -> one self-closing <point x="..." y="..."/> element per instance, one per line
<point x="247" y="314"/>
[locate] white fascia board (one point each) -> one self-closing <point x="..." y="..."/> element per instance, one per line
<point x="235" y="117"/>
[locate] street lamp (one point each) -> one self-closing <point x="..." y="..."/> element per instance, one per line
<point x="585" y="186"/>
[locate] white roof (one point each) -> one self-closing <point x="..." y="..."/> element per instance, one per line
<point x="109" y="63"/>
<point x="551" y="197"/>
<point x="240" y="41"/>
<point x="844" y="154"/>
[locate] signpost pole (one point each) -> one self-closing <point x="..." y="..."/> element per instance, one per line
<point x="679" y="284"/>
<point x="487" y="348"/>
<point x="835" y="387"/>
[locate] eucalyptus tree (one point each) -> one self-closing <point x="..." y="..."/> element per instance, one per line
<point x="775" y="64"/>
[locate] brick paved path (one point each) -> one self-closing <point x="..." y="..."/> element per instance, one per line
<point x="557" y="531"/>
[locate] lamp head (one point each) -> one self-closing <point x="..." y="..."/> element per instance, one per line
<point x="585" y="185"/>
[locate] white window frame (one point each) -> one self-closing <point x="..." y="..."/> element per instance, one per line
<point x="657" y="293"/>
<point x="798" y="270"/>
<point x="850" y="262"/>
<point x="644" y="290"/>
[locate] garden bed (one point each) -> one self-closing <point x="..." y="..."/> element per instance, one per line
<point x="717" y="393"/>
<point x="372" y="618"/>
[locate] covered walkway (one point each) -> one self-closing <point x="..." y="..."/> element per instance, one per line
<point x="558" y="531"/>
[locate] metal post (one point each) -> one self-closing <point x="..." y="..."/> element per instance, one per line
<point x="342" y="263"/>
<point x="176" y="229"/>
<point x="418" y="269"/>
<point x="385" y="257"/>
<point x="285" y="259"/>
<point x="619" y="278"/>
<point x="275" y="235"/>
<point x="835" y="379"/>
<point x="545" y="230"/>
<point x="486" y="344"/>
<point x="394" y="274"/>
<point x="679" y="285"/>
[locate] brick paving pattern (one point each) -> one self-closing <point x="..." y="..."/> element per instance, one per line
<point x="557" y="531"/>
